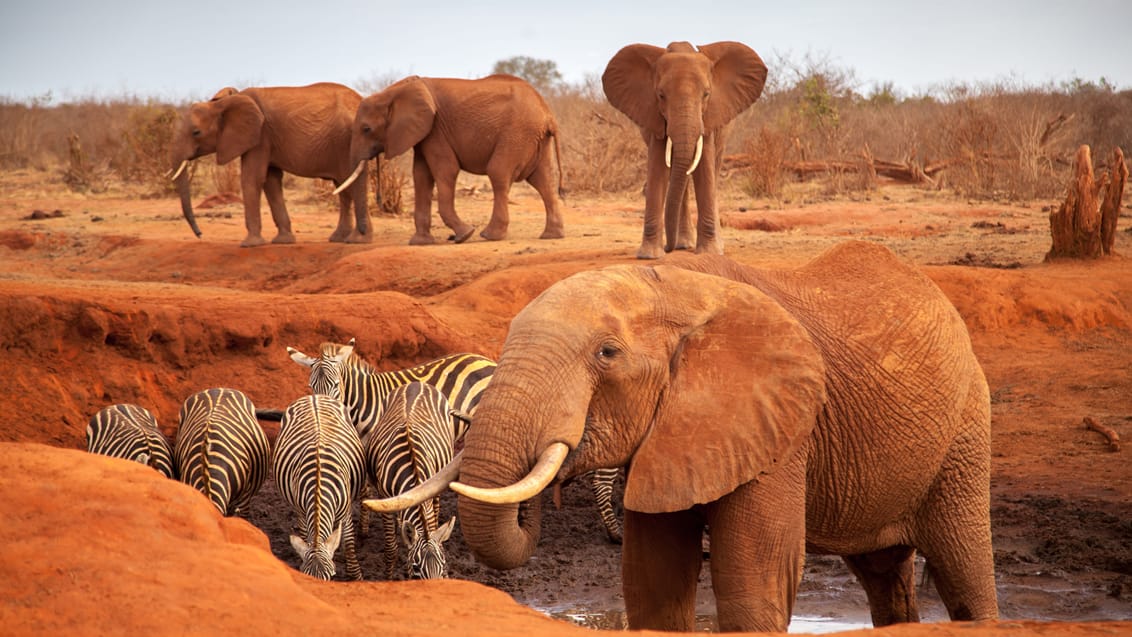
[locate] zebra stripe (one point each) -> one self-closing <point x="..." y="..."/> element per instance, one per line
<point x="602" y="482"/>
<point x="130" y="432"/>
<point x="337" y="371"/>
<point x="220" y="449"/>
<point x="319" y="471"/>
<point x="411" y="442"/>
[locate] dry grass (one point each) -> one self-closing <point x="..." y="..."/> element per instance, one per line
<point x="1001" y="139"/>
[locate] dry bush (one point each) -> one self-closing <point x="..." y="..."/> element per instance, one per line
<point x="602" y="150"/>
<point x="388" y="181"/>
<point x="80" y="173"/>
<point x="765" y="176"/>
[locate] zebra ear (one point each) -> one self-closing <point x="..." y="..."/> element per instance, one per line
<point x="344" y="352"/>
<point x="444" y="531"/>
<point x="300" y="357"/>
<point x="331" y="542"/>
<point x="300" y="546"/>
<point x="745" y="385"/>
<point x="409" y="534"/>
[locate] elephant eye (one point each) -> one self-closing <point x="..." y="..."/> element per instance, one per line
<point x="607" y="352"/>
<point x="660" y="95"/>
<point x="707" y="94"/>
<point x="366" y="129"/>
<point x="196" y="132"/>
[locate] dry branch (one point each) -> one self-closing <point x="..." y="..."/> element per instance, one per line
<point x="1111" y="435"/>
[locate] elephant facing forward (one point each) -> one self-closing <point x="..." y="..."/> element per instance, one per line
<point x="302" y="130"/>
<point x="497" y="126"/>
<point x="835" y="409"/>
<point x="683" y="97"/>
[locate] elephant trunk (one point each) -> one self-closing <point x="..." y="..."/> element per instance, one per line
<point x="521" y="433"/>
<point x="684" y="159"/>
<point x="181" y="179"/>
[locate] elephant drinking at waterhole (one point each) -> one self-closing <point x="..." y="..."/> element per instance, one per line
<point x="833" y="409"/>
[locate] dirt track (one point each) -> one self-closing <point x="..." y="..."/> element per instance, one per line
<point x="115" y="301"/>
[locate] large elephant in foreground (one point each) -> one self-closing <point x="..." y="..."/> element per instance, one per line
<point x="497" y="126"/>
<point x="683" y="97"/>
<point x="303" y="130"/>
<point x="834" y="409"/>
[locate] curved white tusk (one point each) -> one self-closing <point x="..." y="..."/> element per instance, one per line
<point x="352" y="177"/>
<point x="423" y="492"/>
<point x="668" y="153"/>
<point x="541" y="475"/>
<point x="699" y="153"/>
<point x="180" y="169"/>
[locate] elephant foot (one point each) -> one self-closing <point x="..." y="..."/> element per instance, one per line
<point x="553" y="233"/>
<point x="421" y="240"/>
<point x="357" y="237"/>
<point x="342" y="235"/>
<point x="252" y="240"/>
<point x="650" y="251"/>
<point x="284" y="237"/>
<point x="494" y="233"/>
<point x="709" y="247"/>
<point x="462" y="236"/>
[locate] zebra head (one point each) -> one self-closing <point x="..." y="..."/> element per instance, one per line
<point x="327" y="369"/>
<point x="318" y="560"/>
<point x="426" y="558"/>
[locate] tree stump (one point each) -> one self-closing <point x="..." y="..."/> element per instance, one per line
<point x="1084" y="226"/>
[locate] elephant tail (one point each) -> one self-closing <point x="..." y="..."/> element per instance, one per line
<point x="553" y="132"/>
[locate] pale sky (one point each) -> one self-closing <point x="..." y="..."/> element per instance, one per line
<point x="172" y="50"/>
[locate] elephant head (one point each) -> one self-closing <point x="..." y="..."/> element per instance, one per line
<point x="391" y="122"/>
<point x="683" y="94"/>
<point x="229" y="125"/>
<point x="698" y="383"/>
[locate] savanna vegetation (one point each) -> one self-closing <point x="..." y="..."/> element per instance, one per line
<point x="814" y="122"/>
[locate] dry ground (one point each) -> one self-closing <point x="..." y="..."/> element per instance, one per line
<point x="113" y="300"/>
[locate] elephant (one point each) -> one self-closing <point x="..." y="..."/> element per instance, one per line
<point x="497" y="126"/>
<point x="837" y="408"/>
<point x="300" y="130"/>
<point x="683" y="98"/>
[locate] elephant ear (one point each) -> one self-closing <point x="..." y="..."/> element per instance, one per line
<point x="629" y="85"/>
<point x="411" y="114"/>
<point x="241" y="127"/>
<point x="738" y="77"/>
<point x="745" y="387"/>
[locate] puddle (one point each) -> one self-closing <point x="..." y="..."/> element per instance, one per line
<point x="615" y="620"/>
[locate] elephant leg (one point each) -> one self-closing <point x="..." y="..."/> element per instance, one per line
<point x="758" y="550"/>
<point x="954" y="532"/>
<point x="542" y="180"/>
<point x="496" y="229"/>
<point x="423" y="183"/>
<point x="709" y="237"/>
<point x="888" y="577"/>
<point x="685" y="235"/>
<point x="446" y="202"/>
<point x="656" y="182"/>
<point x="345" y="220"/>
<point x="251" y="183"/>
<point x="273" y="189"/>
<point x="660" y="563"/>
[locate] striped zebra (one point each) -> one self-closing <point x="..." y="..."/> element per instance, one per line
<point x="411" y="441"/>
<point x="220" y="449"/>
<point x="337" y="371"/>
<point x="319" y="471"/>
<point x="130" y="432"/>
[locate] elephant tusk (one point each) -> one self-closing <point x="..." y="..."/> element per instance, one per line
<point x="351" y="178"/>
<point x="668" y="153"/>
<point x="699" y="154"/>
<point x="423" y="492"/>
<point x="541" y="475"/>
<point x="180" y="169"/>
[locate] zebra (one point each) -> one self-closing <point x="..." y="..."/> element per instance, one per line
<point x="340" y="372"/>
<point x="130" y="432"/>
<point x="319" y="471"/>
<point x="411" y="441"/>
<point x="221" y="449"/>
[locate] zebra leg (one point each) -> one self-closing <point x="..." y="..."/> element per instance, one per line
<point x="353" y="569"/>
<point x="603" y="495"/>
<point x="389" y="530"/>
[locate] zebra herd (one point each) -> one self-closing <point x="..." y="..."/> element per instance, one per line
<point x="359" y="433"/>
